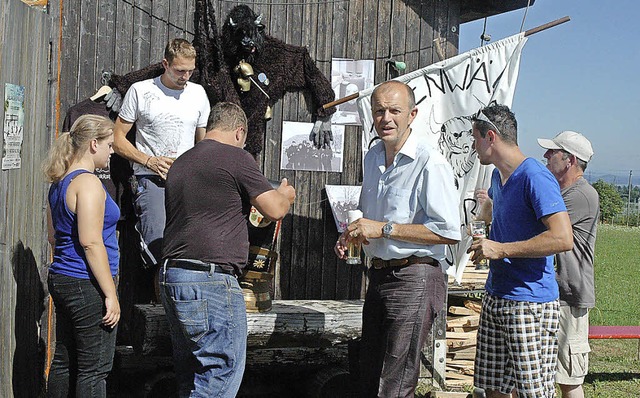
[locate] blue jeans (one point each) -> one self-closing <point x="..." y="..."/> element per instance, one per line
<point x="208" y="320"/>
<point x="149" y="203"/>
<point x="84" y="347"/>
<point x="400" y="306"/>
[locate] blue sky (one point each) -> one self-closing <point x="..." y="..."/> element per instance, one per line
<point x="583" y="75"/>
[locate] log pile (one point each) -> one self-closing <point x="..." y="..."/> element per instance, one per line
<point x="462" y="330"/>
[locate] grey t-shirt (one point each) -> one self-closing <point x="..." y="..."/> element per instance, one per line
<point x="574" y="270"/>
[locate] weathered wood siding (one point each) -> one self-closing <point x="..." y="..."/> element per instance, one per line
<point x="125" y="35"/>
<point x="24" y="51"/>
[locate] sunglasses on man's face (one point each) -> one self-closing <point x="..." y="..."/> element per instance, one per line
<point x="482" y="117"/>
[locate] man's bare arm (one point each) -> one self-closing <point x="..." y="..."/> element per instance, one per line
<point x="274" y="204"/>
<point x="557" y="238"/>
<point x="414" y="233"/>
<point x="122" y="146"/>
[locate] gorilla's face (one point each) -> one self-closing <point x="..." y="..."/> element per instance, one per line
<point x="243" y="34"/>
<point x="456" y="143"/>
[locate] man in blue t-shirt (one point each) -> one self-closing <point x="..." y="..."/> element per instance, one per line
<point x="517" y="339"/>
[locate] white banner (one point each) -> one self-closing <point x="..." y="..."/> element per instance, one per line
<point x="448" y="94"/>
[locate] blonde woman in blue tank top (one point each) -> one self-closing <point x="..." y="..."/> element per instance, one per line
<point x="82" y="228"/>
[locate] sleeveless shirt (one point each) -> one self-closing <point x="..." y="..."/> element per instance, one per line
<point x="69" y="257"/>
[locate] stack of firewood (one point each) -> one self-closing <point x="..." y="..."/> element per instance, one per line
<point x="462" y="329"/>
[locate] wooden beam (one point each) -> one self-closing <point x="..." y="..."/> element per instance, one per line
<point x="529" y="32"/>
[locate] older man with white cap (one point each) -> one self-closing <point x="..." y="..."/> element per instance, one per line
<point x="567" y="157"/>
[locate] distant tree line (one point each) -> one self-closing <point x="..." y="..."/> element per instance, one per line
<point x="613" y="203"/>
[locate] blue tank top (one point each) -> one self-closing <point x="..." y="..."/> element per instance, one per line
<point x="69" y="258"/>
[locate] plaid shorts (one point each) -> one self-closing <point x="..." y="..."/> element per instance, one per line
<point x="517" y="347"/>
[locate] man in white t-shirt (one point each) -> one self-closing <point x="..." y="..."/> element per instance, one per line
<point x="170" y="114"/>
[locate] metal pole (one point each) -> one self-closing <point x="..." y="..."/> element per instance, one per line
<point x="629" y="199"/>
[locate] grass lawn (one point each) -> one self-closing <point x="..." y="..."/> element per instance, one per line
<point x="614" y="371"/>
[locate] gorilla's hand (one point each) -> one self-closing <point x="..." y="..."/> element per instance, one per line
<point x="113" y="100"/>
<point x="321" y="134"/>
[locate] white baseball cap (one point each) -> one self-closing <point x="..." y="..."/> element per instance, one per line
<point x="570" y="141"/>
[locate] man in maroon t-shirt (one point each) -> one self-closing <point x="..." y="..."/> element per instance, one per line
<point x="208" y="195"/>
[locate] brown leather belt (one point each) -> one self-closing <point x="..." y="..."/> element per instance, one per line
<point x="379" y="263"/>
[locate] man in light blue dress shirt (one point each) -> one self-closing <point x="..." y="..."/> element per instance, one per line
<point x="410" y="213"/>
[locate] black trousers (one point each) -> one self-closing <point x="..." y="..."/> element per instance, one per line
<point x="400" y="306"/>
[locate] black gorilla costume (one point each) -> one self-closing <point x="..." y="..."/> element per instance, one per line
<point x="278" y="68"/>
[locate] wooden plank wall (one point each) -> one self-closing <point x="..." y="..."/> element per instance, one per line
<point x="124" y="35"/>
<point x="24" y="51"/>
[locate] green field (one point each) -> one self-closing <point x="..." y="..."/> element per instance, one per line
<point x="614" y="371"/>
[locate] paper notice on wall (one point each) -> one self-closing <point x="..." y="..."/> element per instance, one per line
<point x="13" y="131"/>
<point x="342" y="199"/>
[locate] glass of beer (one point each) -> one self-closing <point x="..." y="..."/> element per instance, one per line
<point x="479" y="230"/>
<point x="353" y="248"/>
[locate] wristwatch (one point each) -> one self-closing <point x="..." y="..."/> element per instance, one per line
<point x="387" y="229"/>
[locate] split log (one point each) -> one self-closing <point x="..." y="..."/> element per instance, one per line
<point x="465" y="355"/>
<point x="471" y="320"/>
<point x="459" y="377"/>
<point x="473" y="305"/>
<point x="449" y="394"/>
<point x="471" y="342"/>
<point x="461" y="336"/>
<point x="461" y="311"/>
<point x="466" y="381"/>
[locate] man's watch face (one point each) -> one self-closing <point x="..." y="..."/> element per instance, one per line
<point x="386" y="230"/>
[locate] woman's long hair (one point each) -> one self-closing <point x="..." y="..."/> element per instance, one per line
<point x="71" y="145"/>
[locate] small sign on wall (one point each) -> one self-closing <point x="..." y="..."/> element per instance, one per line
<point x="13" y="131"/>
<point x="342" y="199"/>
<point x="350" y="76"/>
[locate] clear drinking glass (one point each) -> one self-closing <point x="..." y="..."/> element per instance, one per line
<point x="479" y="230"/>
<point x="353" y="249"/>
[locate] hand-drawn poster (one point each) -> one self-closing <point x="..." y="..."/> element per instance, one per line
<point x="448" y="94"/>
<point x="13" y="126"/>
<point x="300" y="153"/>
<point x="342" y="199"/>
